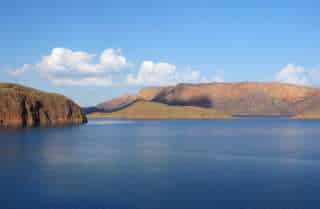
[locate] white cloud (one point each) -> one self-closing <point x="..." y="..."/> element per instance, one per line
<point x="153" y="73"/>
<point x="66" y="67"/>
<point x="218" y="76"/>
<point x="20" y="71"/>
<point x="163" y="73"/>
<point x="62" y="65"/>
<point x="112" y="59"/>
<point x="87" y="81"/>
<point x="293" y="74"/>
<point x="62" y="60"/>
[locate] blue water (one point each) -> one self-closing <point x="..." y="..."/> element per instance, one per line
<point x="255" y="163"/>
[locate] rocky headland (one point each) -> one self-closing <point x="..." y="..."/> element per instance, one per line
<point x="22" y="106"/>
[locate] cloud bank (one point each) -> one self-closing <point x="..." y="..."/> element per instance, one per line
<point x="294" y="74"/>
<point x="76" y="68"/>
<point x="87" y="81"/>
<point x="162" y="73"/>
<point x="66" y="67"/>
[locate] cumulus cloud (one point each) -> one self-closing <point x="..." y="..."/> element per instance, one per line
<point x="62" y="64"/>
<point x="162" y="73"/>
<point x="67" y="67"/>
<point x="218" y="76"/>
<point x="293" y="74"/>
<point x="112" y="59"/>
<point x="65" y="60"/>
<point x="20" y="71"/>
<point x="87" y="81"/>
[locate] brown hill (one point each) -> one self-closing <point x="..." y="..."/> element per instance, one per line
<point x="26" y="107"/>
<point x="309" y="115"/>
<point x="245" y="98"/>
<point x="313" y="110"/>
<point x="153" y="110"/>
<point x="117" y="103"/>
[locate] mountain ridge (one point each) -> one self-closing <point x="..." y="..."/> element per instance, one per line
<point x="157" y="111"/>
<point x="240" y="98"/>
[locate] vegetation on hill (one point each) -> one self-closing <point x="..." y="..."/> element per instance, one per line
<point x="310" y="115"/>
<point x="244" y="98"/>
<point x="117" y="103"/>
<point x="152" y="110"/>
<point x="237" y="99"/>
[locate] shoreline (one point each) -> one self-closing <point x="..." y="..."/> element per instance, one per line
<point x="91" y="117"/>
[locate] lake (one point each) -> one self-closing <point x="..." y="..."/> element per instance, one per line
<point x="246" y="163"/>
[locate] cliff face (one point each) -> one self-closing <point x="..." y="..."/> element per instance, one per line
<point x="26" y="107"/>
<point x="246" y="98"/>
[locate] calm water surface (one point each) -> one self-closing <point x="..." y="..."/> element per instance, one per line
<point x="257" y="163"/>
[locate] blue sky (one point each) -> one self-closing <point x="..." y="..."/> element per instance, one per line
<point x="94" y="50"/>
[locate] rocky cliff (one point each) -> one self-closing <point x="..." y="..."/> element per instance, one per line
<point x="26" y="107"/>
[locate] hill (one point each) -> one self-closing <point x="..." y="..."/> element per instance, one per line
<point x="117" y="103"/>
<point x="22" y="106"/>
<point x="245" y="98"/>
<point x="152" y="110"/>
<point x="237" y="99"/>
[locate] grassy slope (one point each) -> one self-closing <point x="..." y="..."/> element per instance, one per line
<point x="244" y="98"/>
<point x="310" y="115"/>
<point x="152" y="110"/>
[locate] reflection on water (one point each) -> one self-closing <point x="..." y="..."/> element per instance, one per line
<point x="244" y="163"/>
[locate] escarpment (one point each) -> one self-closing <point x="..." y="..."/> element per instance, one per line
<point x="21" y="106"/>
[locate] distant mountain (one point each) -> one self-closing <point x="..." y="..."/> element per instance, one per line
<point x="113" y="104"/>
<point x="153" y="110"/>
<point x="117" y="103"/>
<point x="244" y="99"/>
<point x="237" y="99"/>
<point x="309" y="115"/>
<point x="21" y="106"/>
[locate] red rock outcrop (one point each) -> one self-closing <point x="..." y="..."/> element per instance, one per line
<point x="26" y="107"/>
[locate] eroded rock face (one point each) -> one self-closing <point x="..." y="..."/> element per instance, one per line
<point x="26" y="107"/>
